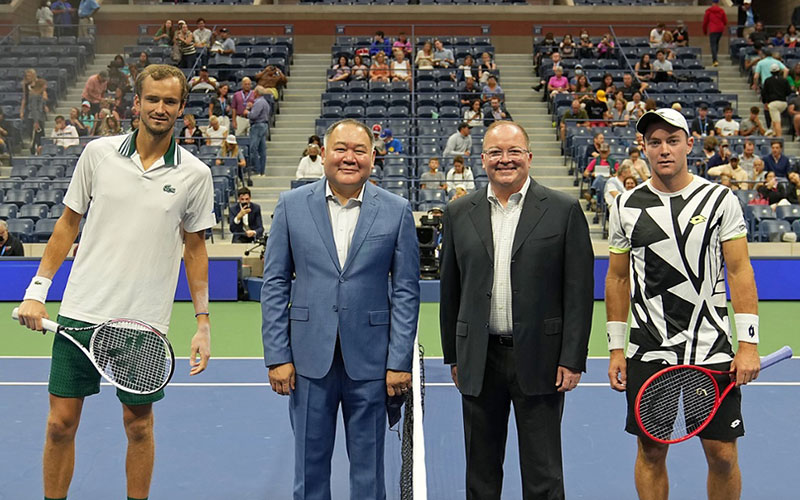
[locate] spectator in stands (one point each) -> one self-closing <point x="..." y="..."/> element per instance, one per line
<point x="341" y="69"/>
<point x="100" y="124"/>
<point x="134" y="124"/>
<point x="680" y="35"/>
<point x="759" y="37"/>
<point x="403" y="43"/>
<point x="748" y="157"/>
<point x="165" y="34"/>
<point x="272" y="79"/>
<point x="715" y="158"/>
<point x="709" y="152"/>
<point x="638" y="168"/>
<point x="459" y="143"/>
<point x="794" y="77"/>
<point x="567" y="47"/>
<point x="650" y="105"/>
<point x="601" y="166"/>
<point x="359" y="70"/>
<point x="619" y="113"/>
<point x="118" y="75"/>
<point x="668" y="45"/>
<point x="792" y="37"/>
<point x="585" y="47"/>
<point x="630" y="86"/>
<point x="467" y="69"/>
<point x="469" y="92"/>
<point x="63" y="12"/>
<point x="486" y="68"/>
<point x="778" y="40"/>
<point x="636" y="106"/>
<point x="230" y="149"/>
<point x="474" y="115"/>
<point x="776" y="161"/>
<point x="112" y="126"/>
<point x="44" y="18"/>
<point x="433" y="178"/>
<point x="9" y="134"/>
<point x="770" y="190"/>
<point x="202" y="39"/>
<point x="556" y="58"/>
<point x="608" y="86"/>
<point x="732" y="170"/>
<point x="644" y="69"/>
<point x="393" y="146"/>
<point x="725" y="180"/>
<point x="491" y="89"/>
<point x="597" y="142"/>
<point x="10" y="245"/>
<point x="774" y="92"/>
<point x="714" y="23"/>
<point x="378" y="145"/>
<point x="546" y="48"/>
<point x="727" y="126"/>
<point x="575" y="112"/>
<point x="759" y="174"/>
<point x="221" y="106"/>
<point x="581" y="85"/>
<point x="752" y="124"/>
<point x="203" y="82"/>
<point x="657" y="36"/>
<point x="794" y="114"/>
<point x="597" y="109"/>
<point x="246" y="223"/>
<point x="616" y="184"/>
<point x="379" y="71"/>
<point x="763" y="69"/>
<point x="496" y="112"/>
<point x="310" y="166"/>
<point x="747" y="19"/>
<point x="190" y="133"/>
<point x="142" y="62"/>
<point x="185" y="40"/>
<point x="37" y="109"/>
<point x="75" y="121"/>
<point x="86" y="117"/>
<point x="662" y="68"/>
<point x="793" y="188"/>
<point x="459" y="177"/>
<point x="86" y="11"/>
<point x="442" y="57"/>
<point x="259" y="126"/>
<point x="605" y="49"/>
<point x="558" y="83"/>
<point x="241" y="103"/>
<point x="64" y="134"/>
<point x="314" y="140"/>
<point x="424" y="59"/>
<point x="576" y="74"/>
<point x="215" y="134"/>
<point x="400" y="67"/>
<point x="95" y="90"/>
<point x="629" y="183"/>
<point x="223" y="44"/>
<point x="701" y="125"/>
<point x="380" y="44"/>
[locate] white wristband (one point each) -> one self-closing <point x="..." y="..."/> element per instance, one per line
<point x="746" y="327"/>
<point x="38" y="288"/>
<point x="616" y="331"/>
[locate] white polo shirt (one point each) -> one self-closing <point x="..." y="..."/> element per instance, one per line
<point x="130" y="250"/>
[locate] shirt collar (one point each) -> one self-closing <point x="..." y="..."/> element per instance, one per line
<point x="521" y="193"/>
<point x="330" y="196"/>
<point x="172" y="157"/>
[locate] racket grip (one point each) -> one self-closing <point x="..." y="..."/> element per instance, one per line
<point x="49" y="325"/>
<point x="784" y="352"/>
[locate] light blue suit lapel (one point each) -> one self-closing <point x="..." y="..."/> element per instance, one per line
<point x="318" y="206"/>
<point x="369" y="209"/>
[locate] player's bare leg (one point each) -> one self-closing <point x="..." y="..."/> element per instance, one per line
<point x="59" y="445"/>
<point x="141" y="448"/>
<point x="650" y="471"/>
<point x="724" y="476"/>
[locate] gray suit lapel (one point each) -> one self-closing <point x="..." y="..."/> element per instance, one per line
<point x="322" y="219"/>
<point x="481" y="215"/>
<point x="369" y="209"/>
<point x="532" y="212"/>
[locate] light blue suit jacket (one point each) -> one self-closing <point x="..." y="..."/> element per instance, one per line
<point x="372" y="302"/>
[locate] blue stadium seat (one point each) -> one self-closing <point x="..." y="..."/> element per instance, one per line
<point x="796" y="228"/>
<point x="424" y="206"/>
<point x="56" y="211"/>
<point x="23" y="228"/>
<point x="8" y="211"/>
<point x="353" y="112"/>
<point x="376" y="112"/>
<point x="789" y="213"/>
<point x="48" y="197"/>
<point x="397" y="111"/>
<point x="19" y="197"/>
<point x="394" y="172"/>
<point x="24" y="171"/>
<point x="43" y="229"/>
<point x="378" y="87"/>
<point x="432" y="195"/>
<point x="771" y="230"/>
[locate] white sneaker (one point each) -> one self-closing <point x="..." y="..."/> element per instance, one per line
<point x="769" y="133"/>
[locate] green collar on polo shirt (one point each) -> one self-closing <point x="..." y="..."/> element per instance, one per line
<point x="171" y="158"/>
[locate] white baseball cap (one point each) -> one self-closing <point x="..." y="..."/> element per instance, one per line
<point x="665" y="115"/>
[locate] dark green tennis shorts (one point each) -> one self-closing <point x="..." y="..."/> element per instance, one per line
<point x="72" y="375"/>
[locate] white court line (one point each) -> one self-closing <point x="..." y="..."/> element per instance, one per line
<point x="429" y="384"/>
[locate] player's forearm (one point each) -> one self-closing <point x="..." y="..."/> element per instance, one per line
<point x="744" y="296"/>
<point x="618" y="298"/>
<point x="59" y="244"/>
<point x="195" y="259"/>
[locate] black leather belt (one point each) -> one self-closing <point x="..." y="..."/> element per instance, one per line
<point x="503" y="340"/>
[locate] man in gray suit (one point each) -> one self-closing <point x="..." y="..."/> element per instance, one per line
<point x="516" y="311"/>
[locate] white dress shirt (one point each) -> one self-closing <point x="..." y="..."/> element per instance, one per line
<point x="343" y="220"/>
<point x="504" y="227"/>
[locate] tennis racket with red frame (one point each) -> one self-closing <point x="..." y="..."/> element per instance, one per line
<point x="678" y="402"/>
<point x="132" y="355"/>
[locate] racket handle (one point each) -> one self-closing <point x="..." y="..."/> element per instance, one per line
<point x="50" y="326"/>
<point x="784" y="352"/>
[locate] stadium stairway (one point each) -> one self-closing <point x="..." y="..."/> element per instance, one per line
<point x="295" y="123"/>
<point x="73" y="98"/>
<point x="527" y="108"/>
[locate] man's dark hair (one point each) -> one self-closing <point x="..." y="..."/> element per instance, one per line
<point x="458" y="159"/>
<point x="59" y="117"/>
<point x="462" y="126"/>
<point x="659" y="51"/>
<point x="633" y="149"/>
<point x="727" y="108"/>
<point x="776" y="142"/>
<point x="242" y="191"/>
<point x="754" y="110"/>
<point x="380" y="34"/>
<point x="199" y="19"/>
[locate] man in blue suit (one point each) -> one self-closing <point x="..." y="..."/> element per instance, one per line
<point x="342" y="333"/>
<point x="246" y="224"/>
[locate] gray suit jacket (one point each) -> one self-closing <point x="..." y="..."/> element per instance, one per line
<point x="551" y="278"/>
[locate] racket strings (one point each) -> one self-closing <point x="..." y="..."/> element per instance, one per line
<point x="677" y="403"/>
<point x="132" y="355"/>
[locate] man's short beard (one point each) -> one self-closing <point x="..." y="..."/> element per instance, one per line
<point x="156" y="134"/>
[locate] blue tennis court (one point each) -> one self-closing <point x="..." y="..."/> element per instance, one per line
<point x="226" y="435"/>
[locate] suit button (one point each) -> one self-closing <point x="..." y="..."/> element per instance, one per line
<point x="335" y="308"/>
<point x="489" y="294"/>
<point x="516" y="291"/>
<point x="341" y="280"/>
<point x="487" y="325"/>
